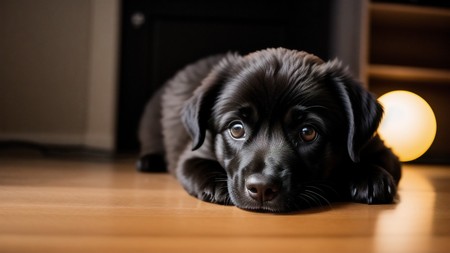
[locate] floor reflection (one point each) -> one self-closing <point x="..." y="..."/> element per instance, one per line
<point x="408" y="227"/>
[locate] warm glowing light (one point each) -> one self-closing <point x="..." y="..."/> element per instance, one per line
<point x="408" y="126"/>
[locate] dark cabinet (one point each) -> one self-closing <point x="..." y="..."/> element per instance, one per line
<point x="160" y="37"/>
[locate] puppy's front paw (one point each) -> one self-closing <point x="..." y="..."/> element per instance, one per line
<point x="151" y="163"/>
<point x="206" y="180"/>
<point x="376" y="186"/>
<point x="215" y="193"/>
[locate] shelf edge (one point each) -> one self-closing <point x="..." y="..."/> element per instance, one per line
<point x="409" y="73"/>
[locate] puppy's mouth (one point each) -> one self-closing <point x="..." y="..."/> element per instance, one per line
<point x="265" y="208"/>
<point x="304" y="197"/>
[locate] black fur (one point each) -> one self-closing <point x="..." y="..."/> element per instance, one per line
<point x="310" y="134"/>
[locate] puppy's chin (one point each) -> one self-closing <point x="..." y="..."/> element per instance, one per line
<point x="263" y="207"/>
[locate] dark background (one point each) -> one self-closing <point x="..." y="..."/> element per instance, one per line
<point x="160" y="37"/>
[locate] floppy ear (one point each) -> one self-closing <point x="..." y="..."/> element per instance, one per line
<point x="362" y="110"/>
<point x="197" y="110"/>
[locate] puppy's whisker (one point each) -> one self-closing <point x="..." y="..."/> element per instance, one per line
<point x="319" y="197"/>
<point x="311" y="197"/>
<point x="315" y="188"/>
<point x="324" y="188"/>
<point x="305" y="200"/>
<point x="330" y="189"/>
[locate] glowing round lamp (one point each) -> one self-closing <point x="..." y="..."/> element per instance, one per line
<point x="408" y="126"/>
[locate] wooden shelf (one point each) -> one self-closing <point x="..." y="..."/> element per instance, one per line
<point x="391" y="13"/>
<point x="408" y="49"/>
<point x="410" y="9"/>
<point x="391" y="72"/>
<point x="408" y="35"/>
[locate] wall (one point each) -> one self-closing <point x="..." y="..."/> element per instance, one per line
<point x="58" y="67"/>
<point x="58" y="71"/>
<point x="349" y="35"/>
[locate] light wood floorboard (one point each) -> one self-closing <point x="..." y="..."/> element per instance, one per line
<point x="57" y="205"/>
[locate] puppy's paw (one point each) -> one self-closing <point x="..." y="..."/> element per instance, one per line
<point x="215" y="193"/>
<point x="206" y="180"/>
<point x="151" y="163"/>
<point x="376" y="186"/>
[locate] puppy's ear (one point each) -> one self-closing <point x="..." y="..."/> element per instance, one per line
<point x="362" y="110"/>
<point x="197" y="110"/>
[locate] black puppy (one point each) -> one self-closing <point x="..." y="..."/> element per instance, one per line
<point x="276" y="130"/>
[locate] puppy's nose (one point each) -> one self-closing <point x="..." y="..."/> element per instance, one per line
<point x="262" y="188"/>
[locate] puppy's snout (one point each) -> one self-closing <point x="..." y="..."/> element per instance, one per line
<point x="262" y="188"/>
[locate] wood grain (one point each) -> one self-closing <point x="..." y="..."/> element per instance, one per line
<point x="49" y="205"/>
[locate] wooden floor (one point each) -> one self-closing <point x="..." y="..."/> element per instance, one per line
<point x="51" y="205"/>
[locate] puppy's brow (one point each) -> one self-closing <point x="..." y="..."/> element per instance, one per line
<point x="245" y="111"/>
<point x="298" y="112"/>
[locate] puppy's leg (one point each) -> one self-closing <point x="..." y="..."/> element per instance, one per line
<point x="375" y="178"/>
<point x="204" y="179"/>
<point x="150" y="137"/>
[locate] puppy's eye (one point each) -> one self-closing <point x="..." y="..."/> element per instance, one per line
<point x="308" y="134"/>
<point x="237" y="130"/>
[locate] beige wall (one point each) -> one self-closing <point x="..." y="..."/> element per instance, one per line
<point x="58" y="71"/>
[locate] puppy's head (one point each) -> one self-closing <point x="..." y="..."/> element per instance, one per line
<point x="284" y="123"/>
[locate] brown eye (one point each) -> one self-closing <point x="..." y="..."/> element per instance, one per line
<point x="237" y="130"/>
<point x="308" y="134"/>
